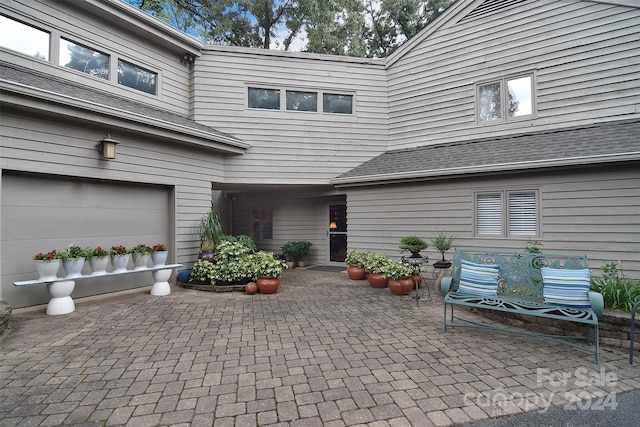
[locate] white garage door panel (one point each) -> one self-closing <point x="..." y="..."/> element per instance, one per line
<point x="43" y="213"/>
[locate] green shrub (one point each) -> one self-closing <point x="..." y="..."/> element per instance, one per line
<point x="355" y="257"/>
<point x="619" y="292"/>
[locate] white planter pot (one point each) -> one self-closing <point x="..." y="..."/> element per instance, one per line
<point x="61" y="301"/>
<point x="48" y="270"/>
<point x="159" y="258"/>
<point x="141" y="261"/>
<point x="98" y="265"/>
<point x="73" y="267"/>
<point x="119" y="263"/>
<point x="161" y="282"/>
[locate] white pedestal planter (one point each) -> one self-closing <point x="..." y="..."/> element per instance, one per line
<point x="98" y="265"/>
<point x="119" y="263"/>
<point x="161" y="283"/>
<point x="61" y="302"/>
<point x="159" y="258"/>
<point x="48" y="270"/>
<point x="73" y="267"/>
<point x="141" y="261"/>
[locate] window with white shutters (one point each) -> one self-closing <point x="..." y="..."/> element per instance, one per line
<point x="506" y="213"/>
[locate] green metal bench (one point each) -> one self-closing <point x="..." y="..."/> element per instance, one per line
<point x="520" y="290"/>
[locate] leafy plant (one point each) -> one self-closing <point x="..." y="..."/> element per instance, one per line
<point x="209" y="229"/>
<point x="49" y="256"/>
<point x="202" y="271"/>
<point x="74" y="251"/>
<point x="396" y="270"/>
<point x="99" y="252"/>
<point x="355" y="257"/>
<point x="376" y="262"/>
<point x="533" y="246"/>
<point x="160" y="247"/>
<point x="619" y="292"/>
<point x="290" y="251"/>
<point x="243" y="239"/>
<point x="442" y="242"/>
<point x="266" y="264"/>
<point x="119" y="250"/>
<point x="413" y="244"/>
<point x="227" y="251"/>
<point x="141" y="249"/>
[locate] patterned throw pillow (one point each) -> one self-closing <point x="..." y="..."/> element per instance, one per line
<point x="566" y="287"/>
<point x="479" y="279"/>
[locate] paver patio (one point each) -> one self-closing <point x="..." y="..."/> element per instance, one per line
<point x="323" y="351"/>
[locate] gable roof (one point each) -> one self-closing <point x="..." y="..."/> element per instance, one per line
<point x="26" y="84"/>
<point x="594" y="144"/>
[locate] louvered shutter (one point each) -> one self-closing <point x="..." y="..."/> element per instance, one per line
<point x="523" y="216"/>
<point x="489" y="214"/>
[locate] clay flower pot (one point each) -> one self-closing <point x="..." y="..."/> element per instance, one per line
<point x="401" y="286"/>
<point x="377" y="280"/>
<point x="267" y="285"/>
<point x="356" y="273"/>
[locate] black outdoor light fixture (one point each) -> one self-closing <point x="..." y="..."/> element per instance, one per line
<point x="108" y="147"/>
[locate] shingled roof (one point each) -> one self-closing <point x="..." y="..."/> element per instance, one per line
<point x="596" y="143"/>
<point x="65" y="88"/>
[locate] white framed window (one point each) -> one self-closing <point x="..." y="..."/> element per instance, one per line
<point x="506" y="213"/>
<point x="83" y="59"/>
<point x="136" y="77"/>
<point x="24" y="38"/>
<point x="335" y="103"/>
<point x="262" y="223"/>
<point x="301" y="101"/>
<point x="505" y="99"/>
<point x="267" y="99"/>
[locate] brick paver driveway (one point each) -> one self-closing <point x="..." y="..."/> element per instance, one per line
<point x="322" y="351"/>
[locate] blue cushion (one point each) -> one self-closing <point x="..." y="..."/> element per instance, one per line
<point x="566" y="287"/>
<point x="479" y="279"/>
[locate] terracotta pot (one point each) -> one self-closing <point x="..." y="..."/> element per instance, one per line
<point x="356" y="273"/>
<point x="377" y="280"/>
<point x="251" y="288"/>
<point x="401" y="286"/>
<point x="268" y="285"/>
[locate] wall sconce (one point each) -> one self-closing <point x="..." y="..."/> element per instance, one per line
<point x="333" y="225"/>
<point x="188" y="59"/>
<point x="108" y="147"/>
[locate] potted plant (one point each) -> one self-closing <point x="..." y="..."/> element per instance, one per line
<point x="73" y="258"/>
<point x="47" y="265"/>
<point x="413" y="244"/>
<point x="267" y="270"/>
<point x="302" y="250"/>
<point x="232" y="264"/>
<point x="141" y="255"/>
<point x="375" y="264"/>
<point x="159" y="255"/>
<point x="98" y="261"/>
<point x="442" y="241"/>
<point x="120" y="257"/>
<point x="400" y="277"/>
<point x="355" y="262"/>
<point x="202" y="272"/>
<point x="290" y="253"/>
<point x="209" y="230"/>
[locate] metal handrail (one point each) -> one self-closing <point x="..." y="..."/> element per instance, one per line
<point x="633" y="327"/>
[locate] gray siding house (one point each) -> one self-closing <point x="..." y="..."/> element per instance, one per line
<point x="500" y="122"/>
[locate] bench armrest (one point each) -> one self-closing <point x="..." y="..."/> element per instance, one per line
<point x="597" y="302"/>
<point x="445" y="285"/>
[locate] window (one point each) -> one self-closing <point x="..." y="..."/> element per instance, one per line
<point x="505" y="99"/>
<point x="335" y="103"/>
<point x="135" y="77"/>
<point x="84" y="59"/>
<point x="268" y="99"/>
<point x="302" y="101"/>
<point x="261" y="223"/>
<point x="23" y="38"/>
<point x="518" y="215"/>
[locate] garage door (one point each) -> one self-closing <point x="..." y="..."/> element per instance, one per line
<point x="40" y="213"/>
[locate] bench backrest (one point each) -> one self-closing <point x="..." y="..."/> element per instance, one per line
<point x="520" y="272"/>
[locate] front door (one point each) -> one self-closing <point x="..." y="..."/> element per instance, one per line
<point x="337" y="232"/>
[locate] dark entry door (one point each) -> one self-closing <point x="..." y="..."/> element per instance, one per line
<point x="337" y="232"/>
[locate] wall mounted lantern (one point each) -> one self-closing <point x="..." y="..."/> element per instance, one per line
<point x="333" y="225"/>
<point x="108" y="147"/>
